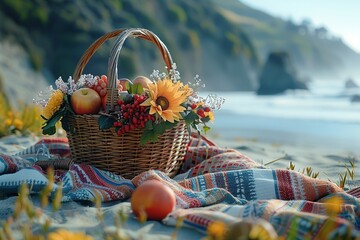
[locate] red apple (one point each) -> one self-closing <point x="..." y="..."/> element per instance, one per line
<point x="143" y="81"/>
<point x="85" y="101"/>
<point x="122" y="83"/>
<point x="155" y="198"/>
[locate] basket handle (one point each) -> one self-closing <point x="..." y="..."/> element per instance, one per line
<point x="85" y="58"/>
<point x="115" y="53"/>
<point x="114" y="56"/>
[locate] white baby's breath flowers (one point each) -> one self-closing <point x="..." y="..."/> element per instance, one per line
<point x="197" y="83"/>
<point x="156" y="75"/>
<point x="213" y="101"/>
<point x="72" y="86"/>
<point x="43" y="96"/>
<point x="60" y="84"/>
<point x="174" y="74"/>
<point x="87" y="80"/>
<point x="69" y="87"/>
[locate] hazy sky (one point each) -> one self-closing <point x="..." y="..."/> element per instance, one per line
<point x="341" y="17"/>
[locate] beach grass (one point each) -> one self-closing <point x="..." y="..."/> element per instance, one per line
<point x="23" y="120"/>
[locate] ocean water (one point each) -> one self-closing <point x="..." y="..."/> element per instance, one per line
<point x="322" y="117"/>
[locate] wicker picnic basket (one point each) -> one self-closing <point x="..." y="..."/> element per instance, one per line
<point x="123" y="154"/>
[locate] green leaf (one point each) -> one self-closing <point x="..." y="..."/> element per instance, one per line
<point x="149" y="125"/>
<point x="190" y="118"/>
<point x="148" y="136"/>
<point x="106" y="122"/>
<point x="49" y="126"/>
<point x="128" y="86"/>
<point x="49" y="130"/>
<point x="163" y="126"/>
<point x="67" y="101"/>
<point x="134" y="88"/>
<point x="206" y="128"/>
<point x="65" y="123"/>
<point x="205" y="119"/>
<point x="169" y="125"/>
<point x="194" y="126"/>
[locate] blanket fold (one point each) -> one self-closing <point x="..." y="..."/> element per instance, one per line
<point x="214" y="184"/>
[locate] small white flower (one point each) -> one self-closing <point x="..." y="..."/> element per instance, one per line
<point x="213" y="101"/>
<point x="155" y="75"/>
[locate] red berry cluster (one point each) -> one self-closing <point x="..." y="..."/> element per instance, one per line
<point x="201" y="110"/>
<point x="132" y="114"/>
<point x="100" y="86"/>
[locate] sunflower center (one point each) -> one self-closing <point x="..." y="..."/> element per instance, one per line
<point x="163" y="102"/>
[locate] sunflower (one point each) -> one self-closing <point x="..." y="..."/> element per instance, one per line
<point x="186" y="90"/>
<point x="165" y="99"/>
<point x="54" y="103"/>
<point x="63" y="234"/>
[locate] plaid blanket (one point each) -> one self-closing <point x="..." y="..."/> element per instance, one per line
<point x="214" y="185"/>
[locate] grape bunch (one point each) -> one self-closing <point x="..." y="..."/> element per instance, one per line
<point x="100" y="85"/>
<point x="132" y="115"/>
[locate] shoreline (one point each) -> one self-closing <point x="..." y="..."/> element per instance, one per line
<point x="285" y="131"/>
<point x="329" y="162"/>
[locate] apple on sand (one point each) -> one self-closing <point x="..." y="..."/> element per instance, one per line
<point x="85" y="101"/>
<point x="153" y="198"/>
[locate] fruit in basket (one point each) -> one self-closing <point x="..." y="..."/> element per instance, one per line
<point x="143" y="81"/>
<point x="153" y="199"/>
<point x="122" y="83"/>
<point x="85" y="101"/>
<point x="100" y="87"/>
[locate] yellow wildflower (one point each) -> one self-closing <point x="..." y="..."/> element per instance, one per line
<point x="333" y="205"/>
<point x="210" y="115"/>
<point x="8" y="122"/>
<point x="216" y="230"/>
<point x="18" y="124"/>
<point x="165" y="99"/>
<point x="261" y="231"/>
<point x="63" y="234"/>
<point x="54" y="103"/>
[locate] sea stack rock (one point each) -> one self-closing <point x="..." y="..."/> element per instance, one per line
<point x="350" y="83"/>
<point x="278" y="75"/>
<point x="355" y="98"/>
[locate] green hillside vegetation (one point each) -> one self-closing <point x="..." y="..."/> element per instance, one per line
<point x="56" y="33"/>
<point x="314" y="50"/>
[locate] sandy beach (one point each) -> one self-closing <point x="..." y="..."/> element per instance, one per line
<point x="329" y="162"/>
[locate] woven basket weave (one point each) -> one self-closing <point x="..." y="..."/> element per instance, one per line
<point x="123" y="154"/>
